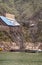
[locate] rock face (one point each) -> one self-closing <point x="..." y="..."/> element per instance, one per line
<point x="40" y="47"/>
<point x="32" y="46"/>
<point x="7" y="46"/>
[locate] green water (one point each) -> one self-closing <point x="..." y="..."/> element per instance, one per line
<point x="17" y="58"/>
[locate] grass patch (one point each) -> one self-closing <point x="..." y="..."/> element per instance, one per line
<point x="14" y="58"/>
